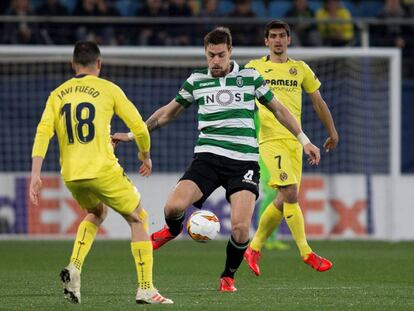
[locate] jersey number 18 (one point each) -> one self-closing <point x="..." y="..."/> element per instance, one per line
<point x="81" y="122"/>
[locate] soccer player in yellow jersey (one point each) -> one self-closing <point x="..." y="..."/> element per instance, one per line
<point x="280" y="151"/>
<point x="79" y="111"/>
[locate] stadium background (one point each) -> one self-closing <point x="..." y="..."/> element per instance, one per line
<point x="357" y="91"/>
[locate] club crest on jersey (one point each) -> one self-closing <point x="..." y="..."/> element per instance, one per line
<point x="239" y="81"/>
<point x="293" y="71"/>
<point x="283" y="176"/>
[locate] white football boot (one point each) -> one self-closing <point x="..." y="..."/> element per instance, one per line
<point x="151" y="296"/>
<point x="70" y="277"/>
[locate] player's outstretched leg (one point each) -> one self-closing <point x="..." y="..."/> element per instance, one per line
<point x="269" y="221"/>
<point x="185" y="193"/>
<point x="169" y="232"/>
<point x="294" y="219"/>
<point x="70" y="277"/>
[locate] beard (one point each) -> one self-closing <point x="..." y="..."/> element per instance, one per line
<point x="218" y="72"/>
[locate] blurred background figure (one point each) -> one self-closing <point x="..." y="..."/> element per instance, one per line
<point x="22" y="32"/>
<point x="395" y="35"/>
<point x="335" y="34"/>
<point x="49" y="33"/>
<point x="150" y="34"/>
<point x="100" y="33"/>
<point x="390" y="34"/>
<point x="52" y="8"/>
<point x="179" y="34"/>
<point x="4" y="5"/>
<point x="303" y="32"/>
<point x="194" y="6"/>
<point x="209" y="8"/>
<point x="244" y="34"/>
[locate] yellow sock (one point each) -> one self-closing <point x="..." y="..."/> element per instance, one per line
<point x="294" y="219"/>
<point x="269" y="221"/>
<point x="142" y="252"/>
<point x="83" y="243"/>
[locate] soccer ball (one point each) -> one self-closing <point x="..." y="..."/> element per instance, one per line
<point x="203" y="226"/>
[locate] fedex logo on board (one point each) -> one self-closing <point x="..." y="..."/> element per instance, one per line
<point x="57" y="212"/>
<point x="328" y="209"/>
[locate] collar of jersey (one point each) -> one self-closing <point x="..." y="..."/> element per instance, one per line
<point x="267" y="59"/>
<point x="235" y="69"/>
<point x="82" y="75"/>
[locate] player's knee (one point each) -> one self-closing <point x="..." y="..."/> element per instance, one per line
<point x="139" y="215"/>
<point x="240" y="232"/>
<point x="278" y="203"/>
<point x="99" y="213"/>
<point x="175" y="208"/>
<point x="290" y="193"/>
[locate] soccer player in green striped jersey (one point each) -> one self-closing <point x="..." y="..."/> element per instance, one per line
<point x="226" y="152"/>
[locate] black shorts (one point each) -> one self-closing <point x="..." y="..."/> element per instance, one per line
<point x="210" y="171"/>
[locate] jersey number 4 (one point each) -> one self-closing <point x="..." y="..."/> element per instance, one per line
<point x="81" y="122"/>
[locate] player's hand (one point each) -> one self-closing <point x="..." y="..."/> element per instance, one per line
<point x="331" y="142"/>
<point x="313" y="152"/>
<point x="146" y="167"/>
<point x="35" y="186"/>
<point x="117" y="137"/>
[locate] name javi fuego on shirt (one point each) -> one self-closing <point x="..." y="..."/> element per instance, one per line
<point x="79" y="89"/>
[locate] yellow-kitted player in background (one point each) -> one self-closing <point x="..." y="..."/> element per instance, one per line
<point x="279" y="149"/>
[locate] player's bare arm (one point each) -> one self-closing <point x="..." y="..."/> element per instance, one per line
<point x="35" y="180"/>
<point x="283" y="115"/>
<point x="158" y="119"/>
<point x="322" y="110"/>
<point x="164" y="115"/>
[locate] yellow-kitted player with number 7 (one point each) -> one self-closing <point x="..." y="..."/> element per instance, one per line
<point x="279" y="150"/>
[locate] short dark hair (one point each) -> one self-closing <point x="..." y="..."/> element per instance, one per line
<point x="276" y="24"/>
<point x="86" y="53"/>
<point x="218" y="35"/>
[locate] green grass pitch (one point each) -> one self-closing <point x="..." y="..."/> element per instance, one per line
<point x="365" y="276"/>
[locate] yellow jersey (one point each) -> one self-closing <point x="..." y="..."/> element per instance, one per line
<point x="328" y="30"/>
<point x="79" y="111"/>
<point x="286" y="80"/>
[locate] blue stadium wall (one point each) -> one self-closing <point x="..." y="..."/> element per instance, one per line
<point x="23" y="97"/>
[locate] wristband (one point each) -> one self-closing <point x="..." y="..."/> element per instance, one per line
<point x="130" y="136"/>
<point x="303" y="139"/>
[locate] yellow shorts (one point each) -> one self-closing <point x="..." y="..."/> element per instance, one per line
<point x="114" y="190"/>
<point x="283" y="159"/>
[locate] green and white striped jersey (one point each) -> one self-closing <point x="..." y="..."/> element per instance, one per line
<point x="226" y="110"/>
